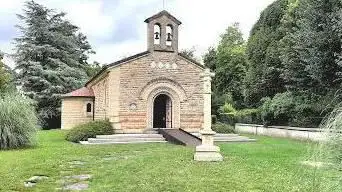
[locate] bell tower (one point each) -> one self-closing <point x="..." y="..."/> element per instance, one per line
<point x="162" y="32"/>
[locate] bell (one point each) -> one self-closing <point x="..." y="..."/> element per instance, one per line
<point x="169" y="37"/>
<point x="157" y="35"/>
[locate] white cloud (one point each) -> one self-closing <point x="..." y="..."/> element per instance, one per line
<point x="203" y="21"/>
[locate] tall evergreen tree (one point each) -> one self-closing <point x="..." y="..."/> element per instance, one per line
<point x="51" y="56"/>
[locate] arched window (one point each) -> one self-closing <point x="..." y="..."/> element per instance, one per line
<point x="157" y="34"/>
<point x="169" y="35"/>
<point x="89" y="109"/>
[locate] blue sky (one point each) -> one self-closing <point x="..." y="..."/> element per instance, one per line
<point x="116" y="28"/>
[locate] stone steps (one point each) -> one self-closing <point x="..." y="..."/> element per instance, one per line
<point x="95" y="140"/>
<point x="155" y="138"/>
<point x="126" y="138"/>
<point x="120" y="142"/>
<point x="118" y="136"/>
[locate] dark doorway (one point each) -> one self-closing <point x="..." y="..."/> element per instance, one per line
<point x="162" y="112"/>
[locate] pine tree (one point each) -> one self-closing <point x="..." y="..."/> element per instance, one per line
<point x="51" y="56"/>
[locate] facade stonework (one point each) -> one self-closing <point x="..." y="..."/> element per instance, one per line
<point x="126" y="91"/>
<point x="74" y="111"/>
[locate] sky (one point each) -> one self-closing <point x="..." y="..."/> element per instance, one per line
<point x="116" y="28"/>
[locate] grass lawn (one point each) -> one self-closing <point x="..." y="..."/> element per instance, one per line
<point x="269" y="164"/>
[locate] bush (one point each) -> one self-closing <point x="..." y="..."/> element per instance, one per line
<point x="229" y="115"/>
<point x="18" y="121"/>
<point x="249" y="116"/>
<point x="303" y="110"/>
<point x="89" y="130"/>
<point x="223" y="128"/>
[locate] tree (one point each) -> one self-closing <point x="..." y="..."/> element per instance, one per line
<point x="264" y="68"/>
<point x="190" y="53"/>
<point x="93" y="69"/>
<point x="51" y="56"/>
<point x="231" y="64"/>
<point x="5" y="76"/>
<point x="228" y="62"/>
<point x="210" y="59"/>
<point x="312" y="45"/>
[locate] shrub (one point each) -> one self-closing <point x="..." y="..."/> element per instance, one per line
<point x="278" y="110"/>
<point x="223" y="128"/>
<point x="229" y="115"/>
<point x="250" y="116"/>
<point x="18" y="121"/>
<point x="303" y="110"/>
<point x="89" y="130"/>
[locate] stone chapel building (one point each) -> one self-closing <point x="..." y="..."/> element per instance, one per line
<point x="158" y="88"/>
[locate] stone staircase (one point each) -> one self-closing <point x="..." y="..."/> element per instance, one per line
<point x="153" y="137"/>
<point x="125" y="139"/>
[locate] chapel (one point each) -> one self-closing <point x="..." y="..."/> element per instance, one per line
<point x="158" y="88"/>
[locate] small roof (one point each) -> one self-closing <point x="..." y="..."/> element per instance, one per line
<point x="167" y="14"/>
<point x="83" y="92"/>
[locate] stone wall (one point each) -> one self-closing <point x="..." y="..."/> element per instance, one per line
<point x="74" y="111"/>
<point x="312" y="134"/>
<point x="101" y="92"/>
<point x="181" y="79"/>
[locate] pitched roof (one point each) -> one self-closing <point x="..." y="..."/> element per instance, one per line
<point x="167" y="14"/>
<point x="104" y="68"/>
<point x="83" y="92"/>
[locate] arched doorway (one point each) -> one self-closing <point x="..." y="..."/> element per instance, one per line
<point x="162" y="112"/>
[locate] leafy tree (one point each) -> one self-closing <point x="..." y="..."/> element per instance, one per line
<point x="231" y="64"/>
<point x="93" y="69"/>
<point x="51" y="56"/>
<point x="210" y="58"/>
<point x="228" y="62"/>
<point x="311" y="47"/>
<point x="190" y="53"/>
<point x="264" y="69"/>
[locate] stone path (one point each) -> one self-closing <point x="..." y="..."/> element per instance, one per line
<point x="31" y="182"/>
<point x="72" y="182"/>
<point x="76" y="182"/>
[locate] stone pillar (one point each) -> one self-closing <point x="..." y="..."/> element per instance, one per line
<point x="207" y="151"/>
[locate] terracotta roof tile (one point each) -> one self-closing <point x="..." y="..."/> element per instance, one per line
<point x="83" y="92"/>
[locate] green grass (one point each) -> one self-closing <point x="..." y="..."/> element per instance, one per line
<point x="267" y="165"/>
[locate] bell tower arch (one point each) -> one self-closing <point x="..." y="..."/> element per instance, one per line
<point x="162" y="32"/>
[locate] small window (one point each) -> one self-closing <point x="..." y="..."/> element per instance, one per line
<point x="89" y="108"/>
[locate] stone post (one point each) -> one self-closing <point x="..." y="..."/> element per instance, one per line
<point x="207" y="151"/>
